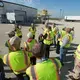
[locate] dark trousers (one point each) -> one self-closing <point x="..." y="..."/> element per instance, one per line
<point x="58" y="47"/>
<point x="22" y="76"/>
<point x="2" y="73"/>
<point x="46" y="50"/>
<point x="33" y="60"/>
<point x="54" y="41"/>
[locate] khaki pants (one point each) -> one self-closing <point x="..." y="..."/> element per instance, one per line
<point x="76" y="69"/>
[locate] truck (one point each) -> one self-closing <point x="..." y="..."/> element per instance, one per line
<point x="72" y="18"/>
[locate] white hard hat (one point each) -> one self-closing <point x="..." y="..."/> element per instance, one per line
<point x="29" y="35"/>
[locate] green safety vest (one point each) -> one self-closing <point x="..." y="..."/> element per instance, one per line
<point x="18" y="61"/>
<point x="54" y="31"/>
<point x="32" y="31"/>
<point x="70" y="39"/>
<point x="18" y="32"/>
<point x="30" y="46"/>
<point x="46" y="70"/>
<point x="63" y="33"/>
<point x="77" y="53"/>
<point x="48" y="42"/>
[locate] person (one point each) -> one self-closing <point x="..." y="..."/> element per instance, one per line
<point x="2" y="72"/>
<point x="72" y="32"/>
<point x="48" y="41"/>
<point x="40" y="38"/>
<point x="32" y="29"/>
<point x="18" y="31"/>
<point x="75" y="73"/>
<point x="18" y="59"/>
<point x="7" y="44"/>
<point x="55" y="32"/>
<point x="51" y="66"/>
<point x="65" y="43"/>
<point x="60" y="35"/>
<point x="28" y="47"/>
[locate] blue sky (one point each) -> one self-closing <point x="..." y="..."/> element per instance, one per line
<point x="55" y="7"/>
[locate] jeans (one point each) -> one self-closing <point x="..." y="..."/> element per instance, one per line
<point x="62" y="53"/>
<point x="46" y="51"/>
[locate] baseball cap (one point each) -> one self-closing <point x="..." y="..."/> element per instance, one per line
<point x="15" y="41"/>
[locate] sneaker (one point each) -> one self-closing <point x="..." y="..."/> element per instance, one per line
<point x="71" y="77"/>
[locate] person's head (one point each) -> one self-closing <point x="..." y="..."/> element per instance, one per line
<point x="68" y="30"/>
<point x="11" y="34"/>
<point x="16" y="26"/>
<point x="64" y="28"/>
<point x="15" y="43"/>
<point x="30" y="35"/>
<point x="37" y="50"/>
<point x="49" y="28"/>
<point x="72" y="28"/>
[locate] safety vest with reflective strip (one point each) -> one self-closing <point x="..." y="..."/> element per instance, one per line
<point x="54" y="71"/>
<point x="55" y="30"/>
<point x="18" y="61"/>
<point x="63" y="33"/>
<point x="30" y="45"/>
<point x="32" y="31"/>
<point x="77" y="53"/>
<point x="18" y="32"/>
<point x="47" y="40"/>
<point x="70" y="39"/>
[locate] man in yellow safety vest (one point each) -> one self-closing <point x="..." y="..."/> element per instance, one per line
<point x="65" y="43"/>
<point x="18" y="31"/>
<point x="51" y="66"/>
<point x="17" y="59"/>
<point x="7" y="44"/>
<point x="28" y="47"/>
<point x="32" y="29"/>
<point x="48" y="41"/>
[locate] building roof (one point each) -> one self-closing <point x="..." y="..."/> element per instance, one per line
<point x="19" y="4"/>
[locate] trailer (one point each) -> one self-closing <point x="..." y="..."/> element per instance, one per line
<point x="72" y="18"/>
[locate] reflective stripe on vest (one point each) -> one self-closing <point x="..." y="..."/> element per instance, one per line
<point x="55" y="64"/>
<point x="33" y="73"/>
<point x="26" y="62"/>
<point x="57" y="68"/>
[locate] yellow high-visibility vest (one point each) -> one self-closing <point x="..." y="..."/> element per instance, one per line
<point x="18" y="61"/>
<point x="70" y="39"/>
<point x="77" y="53"/>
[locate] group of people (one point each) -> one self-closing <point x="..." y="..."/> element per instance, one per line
<point x="32" y="61"/>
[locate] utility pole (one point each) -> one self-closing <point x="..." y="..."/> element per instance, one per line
<point x="60" y="13"/>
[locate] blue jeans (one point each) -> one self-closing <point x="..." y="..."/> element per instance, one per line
<point x="62" y="53"/>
